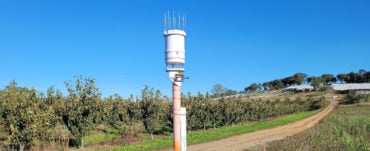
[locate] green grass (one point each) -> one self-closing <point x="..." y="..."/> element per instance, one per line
<point x="214" y="134"/>
<point x="346" y="128"/>
<point x="94" y="139"/>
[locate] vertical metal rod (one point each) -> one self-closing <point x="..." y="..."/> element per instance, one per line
<point x="176" y="117"/>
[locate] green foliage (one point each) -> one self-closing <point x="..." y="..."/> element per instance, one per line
<point x="316" y="104"/>
<point x="24" y="118"/>
<point x="342" y="77"/>
<point x="355" y="77"/>
<point x="276" y="84"/>
<point x="352" y="98"/>
<point x="252" y="88"/>
<point x="81" y="107"/>
<point x="134" y="114"/>
<point x="152" y="110"/>
<point x="115" y="115"/>
<point x="316" y="82"/>
<point x="298" y="78"/>
<point x="328" y="78"/>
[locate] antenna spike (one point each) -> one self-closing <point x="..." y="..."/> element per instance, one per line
<point x="179" y="21"/>
<point x="169" y="19"/>
<point x="174" y="19"/>
<point x="164" y="15"/>
<point x="185" y="23"/>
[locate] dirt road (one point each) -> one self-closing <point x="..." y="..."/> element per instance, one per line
<point x="245" y="141"/>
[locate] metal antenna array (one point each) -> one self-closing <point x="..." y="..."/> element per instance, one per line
<point x="173" y="22"/>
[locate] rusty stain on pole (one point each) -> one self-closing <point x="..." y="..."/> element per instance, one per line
<point x="176" y="116"/>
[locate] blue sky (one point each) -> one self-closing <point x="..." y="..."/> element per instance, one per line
<point x="232" y="42"/>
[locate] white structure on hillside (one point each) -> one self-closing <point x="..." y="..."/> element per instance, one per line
<point x="351" y="86"/>
<point x="300" y="87"/>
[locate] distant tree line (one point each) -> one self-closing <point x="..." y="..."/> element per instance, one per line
<point x="30" y="119"/>
<point x="362" y="76"/>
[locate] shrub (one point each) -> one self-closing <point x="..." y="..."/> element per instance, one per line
<point x="352" y="98"/>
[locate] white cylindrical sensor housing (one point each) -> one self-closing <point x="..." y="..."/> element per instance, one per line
<point x="175" y="47"/>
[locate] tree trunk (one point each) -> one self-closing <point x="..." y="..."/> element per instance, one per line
<point x="133" y="129"/>
<point x="151" y="134"/>
<point x="82" y="143"/>
<point x="21" y="147"/>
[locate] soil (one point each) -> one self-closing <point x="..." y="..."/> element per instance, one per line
<point x="246" y="141"/>
<point x="110" y="144"/>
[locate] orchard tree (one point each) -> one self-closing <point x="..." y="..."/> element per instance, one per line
<point x="117" y="116"/>
<point x="55" y="99"/>
<point x="23" y="121"/>
<point x="203" y="110"/>
<point x="134" y="113"/>
<point x="81" y="107"/>
<point x="152" y="110"/>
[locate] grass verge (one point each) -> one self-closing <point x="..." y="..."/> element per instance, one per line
<point x="215" y="134"/>
<point x="93" y="139"/>
<point x="346" y="128"/>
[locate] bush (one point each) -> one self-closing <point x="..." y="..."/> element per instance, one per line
<point x="352" y="98"/>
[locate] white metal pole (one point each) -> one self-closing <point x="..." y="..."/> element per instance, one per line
<point x="183" y="129"/>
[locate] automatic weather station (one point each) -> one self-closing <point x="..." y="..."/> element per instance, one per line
<point x="174" y="34"/>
